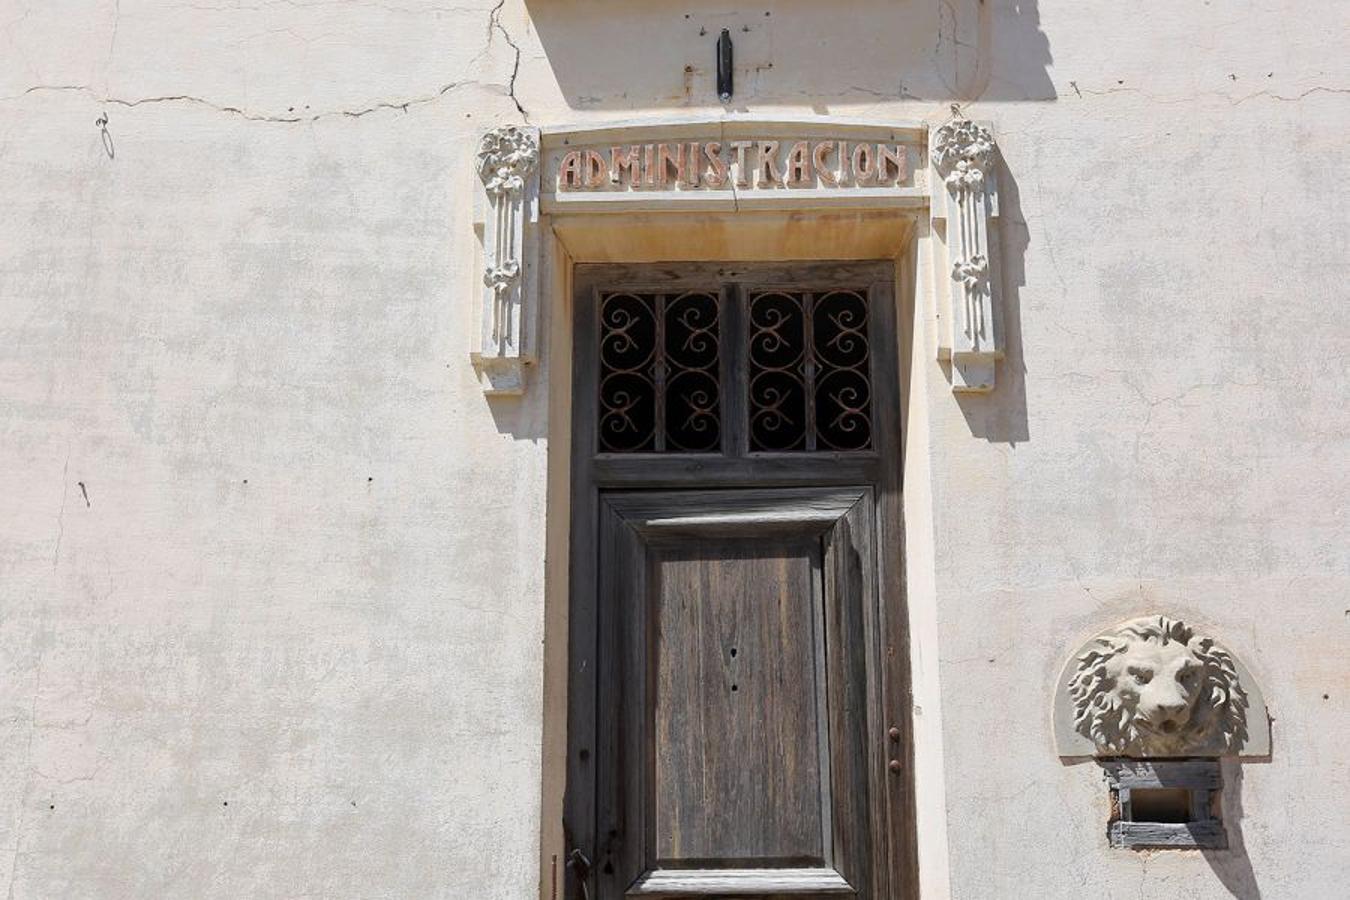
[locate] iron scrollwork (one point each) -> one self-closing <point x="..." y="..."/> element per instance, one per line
<point x="810" y="387"/>
<point x="692" y="377"/>
<point x="627" y="381"/>
<point x="778" y="372"/>
<point x="660" y="380"/>
<point x="843" y="394"/>
<point x="808" y="367"/>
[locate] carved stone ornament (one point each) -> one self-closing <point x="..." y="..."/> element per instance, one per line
<point x="508" y="165"/>
<point x="966" y="197"/>
<point x="963" y="152"/>
<point x="1152" y="687"/>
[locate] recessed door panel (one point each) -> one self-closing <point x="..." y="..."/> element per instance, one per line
<point x="735" y="706"/>
<point x="739" y="704"/>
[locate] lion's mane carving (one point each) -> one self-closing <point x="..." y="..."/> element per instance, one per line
<point x="1152" y="687"/>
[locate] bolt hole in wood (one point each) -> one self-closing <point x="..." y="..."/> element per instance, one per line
<point x="1171" y="805"/>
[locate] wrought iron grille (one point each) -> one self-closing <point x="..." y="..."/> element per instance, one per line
<point x="809" y="383"/>
<point x="660" y="374"/>
<point x="801" y="369"/>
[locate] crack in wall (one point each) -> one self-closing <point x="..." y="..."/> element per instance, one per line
<point x="1081" y="91"/>
<point x="112" y="40"/>
<point x="61" y="513"/>
<point x="28" y="778"/>
<point x="495" y="24"/>
<point x="320" y="4"/>
<point x="404" y="105"/>
<point x="401" y="105"/>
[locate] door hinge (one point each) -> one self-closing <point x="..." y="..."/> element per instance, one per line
<point x="578" y="863"/>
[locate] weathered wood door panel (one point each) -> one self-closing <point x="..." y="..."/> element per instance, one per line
<point x="735" y="703"/>
<point x="735" y="687"/>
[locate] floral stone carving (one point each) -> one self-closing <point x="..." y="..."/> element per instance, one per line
<point x="965" y="196"/>
<point x="508" y="164"/>
<point x="963" y="152"/>
<point x="1152" y="687"/>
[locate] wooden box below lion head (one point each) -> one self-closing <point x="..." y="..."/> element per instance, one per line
<point x="1153" y="688"/>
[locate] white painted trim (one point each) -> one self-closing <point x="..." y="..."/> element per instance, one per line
<point x="919" y="324"/>
<point x="736" y="882"/>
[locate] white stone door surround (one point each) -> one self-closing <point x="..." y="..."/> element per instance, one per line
<point x="938" y="222"/>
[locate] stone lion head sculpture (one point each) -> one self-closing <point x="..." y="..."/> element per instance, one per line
<point x="1152" y="687"/>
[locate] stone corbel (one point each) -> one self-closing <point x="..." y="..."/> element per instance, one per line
<point x="965" y="196"/>
<point x="508" y="165"/>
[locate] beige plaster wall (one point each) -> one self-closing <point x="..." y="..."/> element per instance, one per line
<point x="264" y="543"/>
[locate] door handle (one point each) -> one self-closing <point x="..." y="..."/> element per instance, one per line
<point x="579" y="864"/>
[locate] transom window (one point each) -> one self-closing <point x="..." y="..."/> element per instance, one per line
<point x="788" y="368"/>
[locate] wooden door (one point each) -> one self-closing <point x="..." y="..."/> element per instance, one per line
<point x="733" y="684"/>
<point x="738" y="691"/>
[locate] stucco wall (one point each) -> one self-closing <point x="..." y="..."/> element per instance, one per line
<point x="272" y="569"/>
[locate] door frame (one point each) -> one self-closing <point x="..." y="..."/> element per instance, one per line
<point x="894" y="828"/>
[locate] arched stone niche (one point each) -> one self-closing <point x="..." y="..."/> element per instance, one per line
<point x="1156" y="688"/>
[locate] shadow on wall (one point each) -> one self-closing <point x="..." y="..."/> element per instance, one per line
<point x="615" y="54"/>
<point x="1232" y="866"/>
<point x="524" y="417"/>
